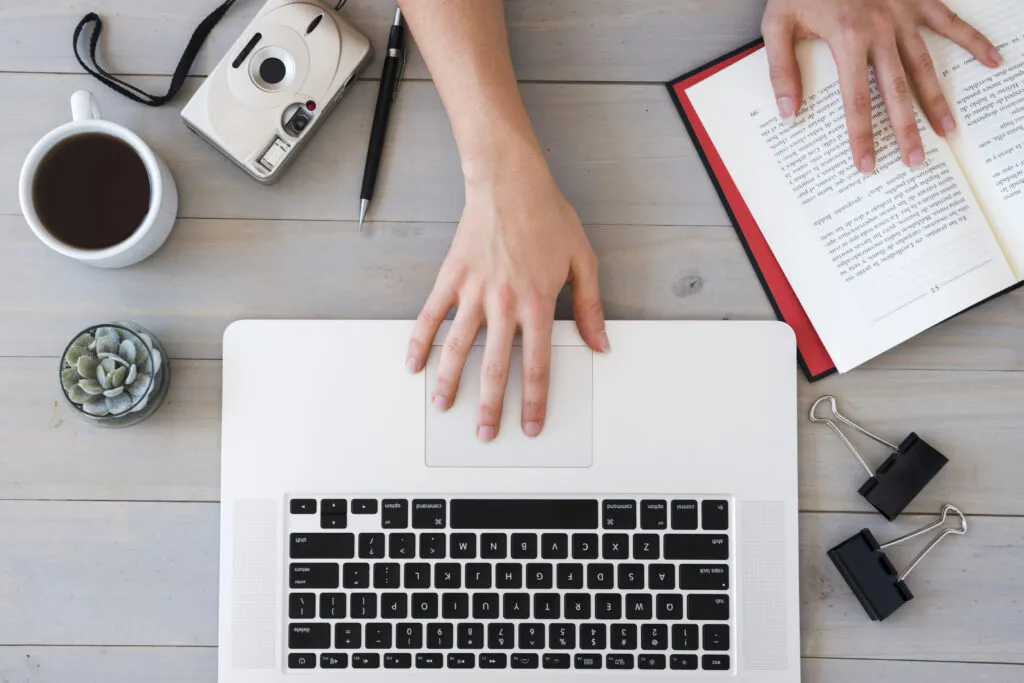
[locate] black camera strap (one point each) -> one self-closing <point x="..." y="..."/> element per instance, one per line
<point x="127" y="89"/>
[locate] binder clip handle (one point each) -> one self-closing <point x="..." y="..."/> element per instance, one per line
<point x="813" y="415"/>
<point x="960" y="530"/>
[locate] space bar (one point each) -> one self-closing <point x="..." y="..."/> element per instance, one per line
<point x="523" y="514"/>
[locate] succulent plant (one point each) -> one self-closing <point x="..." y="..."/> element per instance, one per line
<point x="109" y="371"/>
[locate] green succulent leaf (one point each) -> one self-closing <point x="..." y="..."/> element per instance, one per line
<point x="127" y="351"/>
<point x="86" y="367"/>
<point x="132" y="374"/>
<point x="118" y="377"/>
<point x="106" y="345"/>
<point x="78" y="395"/>
<point x="69" y="377"/>
<point x="74" y="353"/>
<point x="114" y="392"/>
<point x="97" y="407"/>
<point x="110" y="332"/>
<point x="91" y="387"/>
<point x="119" y="404"/>
<point x="140" y="386"/>
<point x="82" y="342"/>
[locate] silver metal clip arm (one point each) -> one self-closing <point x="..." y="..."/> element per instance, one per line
<point x="812" y="414"/>
<point x="960" y="531"/>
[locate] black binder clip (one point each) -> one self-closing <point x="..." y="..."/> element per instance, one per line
<point x="871" y="575"/>
<point x="902" y="476"/>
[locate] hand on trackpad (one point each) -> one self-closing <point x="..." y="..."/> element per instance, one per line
<point x="567" y="439"/>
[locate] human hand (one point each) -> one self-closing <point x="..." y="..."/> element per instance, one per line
<point x="885" y="34"/>
<point x="518" y="243"/>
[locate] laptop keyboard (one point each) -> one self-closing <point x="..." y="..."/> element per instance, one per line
<point x="499" y="583"/>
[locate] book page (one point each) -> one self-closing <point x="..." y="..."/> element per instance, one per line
<point x="874" y="259"/>
<point x="989" y="106"/>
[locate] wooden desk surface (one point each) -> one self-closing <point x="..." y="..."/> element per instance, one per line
<point x="109" y="540"/>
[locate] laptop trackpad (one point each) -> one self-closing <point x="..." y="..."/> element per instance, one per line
<point x="567" y="439"/>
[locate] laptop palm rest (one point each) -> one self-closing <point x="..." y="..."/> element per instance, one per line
<point x="568" y="436"/>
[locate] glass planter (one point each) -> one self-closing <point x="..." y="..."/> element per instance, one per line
<point x="114" y="374"/>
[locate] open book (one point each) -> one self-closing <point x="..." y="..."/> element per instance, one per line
<point x="860" y="263"/>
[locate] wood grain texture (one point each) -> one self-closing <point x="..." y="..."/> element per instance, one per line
<point x="552" y="40"/>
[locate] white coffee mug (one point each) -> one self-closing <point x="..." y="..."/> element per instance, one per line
<point x="163" y="194"/>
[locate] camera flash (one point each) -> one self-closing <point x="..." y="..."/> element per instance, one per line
<point x="310" y="105"/>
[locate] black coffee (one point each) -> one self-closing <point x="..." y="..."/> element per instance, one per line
<point x="91" y="191"/>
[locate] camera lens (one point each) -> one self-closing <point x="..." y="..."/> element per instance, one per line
<point x="299" y="123"/>
<point x="272" y="70"/>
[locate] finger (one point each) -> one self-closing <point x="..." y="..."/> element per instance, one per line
<point x="536" y="369"/>
<point x="783" y="69"/>
<point x="899" y="101"/>
<point x="946" y="22"/>
<point x="501" y="330"/>
<point x="454" y="353"/>
<point x="435" y="310"/>
<point x="586" y="302"/>
<point x="852" y="61"/>
<point x="921" y="69"/>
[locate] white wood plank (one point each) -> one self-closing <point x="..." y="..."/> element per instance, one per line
<point x="145" y="574"/>
<point x="879" y="671"/>
<point x="598" y="40"/>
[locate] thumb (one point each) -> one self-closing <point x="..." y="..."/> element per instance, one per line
<point x="783" y="68"/>
<point x="586" y="302"/>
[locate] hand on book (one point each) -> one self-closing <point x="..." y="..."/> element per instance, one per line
<point x="885" y="34"/>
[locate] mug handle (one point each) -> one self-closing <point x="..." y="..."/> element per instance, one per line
<point x="84" y="106"/>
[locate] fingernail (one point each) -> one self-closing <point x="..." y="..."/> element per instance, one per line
<point x="603" y="341"/>
<point x="948" y="124"/>
<point x="531" y="428"/>
<point x="916" y="157"/>
<point x="442" y="403"/>
<point x="412" y="364"/>
<point x="997" y="58"/>
<point x="486" y="433"/>
<point x="867" y="164"/>
<point x="786" y="107"/>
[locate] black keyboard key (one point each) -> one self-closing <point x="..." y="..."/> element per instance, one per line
<point x="654" y="637"/>
<point x="585" y="661"/>
<point x="554" y="546"/>
<point x="486" y="605"/>
<point x="429" y="514"/>
<point x="313" y="575"/>
<point x="371" y="546"/>
<point x="417" y="575"/>
<point x="461" y="660"/>
<point x="707" y="607"/>
<point x="646" y="661"/>
<point x="661" y="577"/>
<point x="432" y="546"/>
<point x="593" y="636"/>
<point x="493" y="660"/>
<point x="555" y="660"/>
<point x="440" y="636"/>
<point x="704" y="577"/>
<point x="394" y="514"/>
<point x="348" y="636"/>
<point x="714" y="515"/>
<point x="334" y="506"/>
<point x="623" y="637"/>
<point x="463" y="546"/>
<point x="638" y="606"/>
<point x="600" y="576"/>
<point x="683" y="662"/>
<point x="301" y="660"/>
<point x="524" y="546"/>
<point x="562" y="636"/>
<point x="356" y="575"/>
<point x="716" y="637"/>
<point x="618" y="514"/>
<point x="455" y="606"/>
<point x="508" y="575"/>
<point x="334" y="514"/>
<point x="516" y="606"/>
<point x="500" y="636"/>
<point x="429" y="660"/>
<point x="524" y="514"/>
<point x="653" y="515"/>
<point x="669" y="606"/>
<point x="470" y="636"/>
<point x="424" y="605"/>
<point x="478" y="575"/>
<point x="684" y="637"/>
<point x="615" y="546"/>
<point x="493" y="546"/>
<point x="303" y="506"/>
<point x="570" y="575"/>
<point x="619" y="662"/>
<point x="696" y="547"/>
<point x="715" y="662"/>
<point x="577" y="606"/>
<point x="547" y="605"/>
<point x="333" y="605"/>
<point x="309" y="636"/>
<point x="324" y="546"/>
<point x="402" y="546"/>
<point x="387" y="575"/>
<point x="394" y="606"/>
<point x="364" y="506"/>
<point x="302" y="606"/>
<point x="378" y="636"/>
<point x="539" y="575"/>
<point x="397" y="660"/>
<point x="447" y="576"/>
<point x="409" y="636"/>
<point x="584" y="547"/>
<point x="646" y="547"/>
<point x="531" y="636"/>
<point x="524" y="660"/>
<point x="334" y="660"/>
<point x="631" y="576"/>
<point x="363" y="605"/>
<point x="333" y="521"/>
<point x="608" y="606"/>
<point x="366" y="660"/>
<point x="684" y="515"/>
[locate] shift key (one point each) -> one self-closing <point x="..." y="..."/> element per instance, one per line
<point x="313" y="575"/>
<point x="696" y="547"/>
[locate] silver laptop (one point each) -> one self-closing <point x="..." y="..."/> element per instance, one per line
<point x="649" y="532"/>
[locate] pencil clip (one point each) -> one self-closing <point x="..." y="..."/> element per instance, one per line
<point x="870" y="574"/>
<point x="903" y="475"/>
<point x="401" y="73"/>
